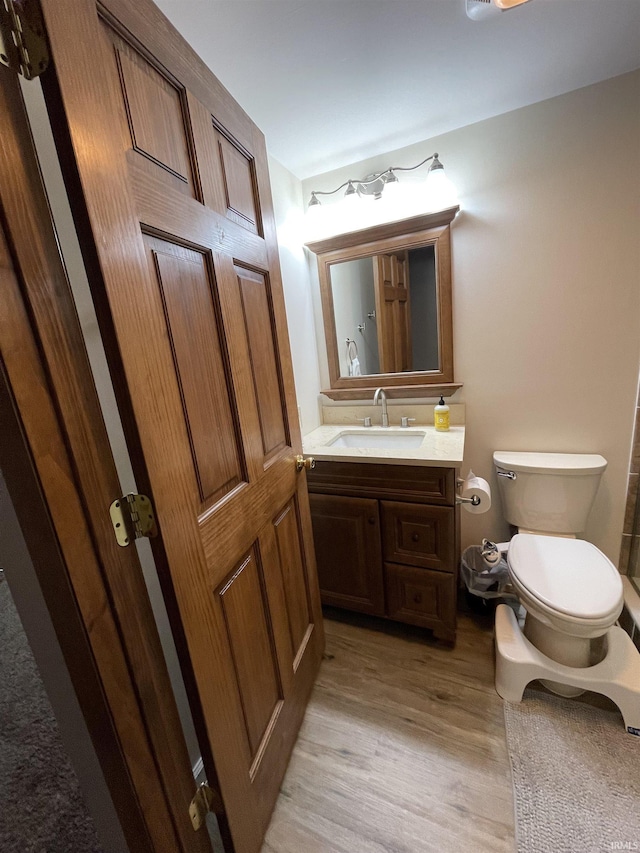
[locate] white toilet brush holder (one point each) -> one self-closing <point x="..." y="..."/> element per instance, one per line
<point x="617" y="676"/>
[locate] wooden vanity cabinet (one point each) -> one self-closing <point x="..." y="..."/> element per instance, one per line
<point x="387" y="541"/>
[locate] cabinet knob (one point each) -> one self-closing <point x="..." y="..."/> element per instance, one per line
<point x="415" y="537"/>
<point x="372" y="520"/>
<point x="417" y="598"/>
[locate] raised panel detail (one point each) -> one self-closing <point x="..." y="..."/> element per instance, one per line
<point x="259" y="327"/>
<point x="421" y="597"/>
<point x="346" y="534"/>
<point x="419" y="535"/>
<point x="294" y="577"/>
<point x="252" y="648"/>
<point x="187" y="287"/>
<point x="240" y="187"/>
<point x="154" y="112"/>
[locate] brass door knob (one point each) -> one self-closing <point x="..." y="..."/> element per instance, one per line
<point x="307" y="463"/>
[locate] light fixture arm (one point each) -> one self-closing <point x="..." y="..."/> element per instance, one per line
<point x="373" y="178"/>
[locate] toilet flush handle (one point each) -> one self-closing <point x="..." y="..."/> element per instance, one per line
<point x="510" y="475"/>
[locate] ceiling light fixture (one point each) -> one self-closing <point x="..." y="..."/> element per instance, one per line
<point x="439" y="189"/>
<point x="478" y="9"/>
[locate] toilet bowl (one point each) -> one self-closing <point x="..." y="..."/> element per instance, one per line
<point x="572" y="594"/>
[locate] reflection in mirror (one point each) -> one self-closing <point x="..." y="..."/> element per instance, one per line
<point x="386" y="312"/>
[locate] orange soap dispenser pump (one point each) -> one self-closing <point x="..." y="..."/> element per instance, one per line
<point x="441" y="416"/>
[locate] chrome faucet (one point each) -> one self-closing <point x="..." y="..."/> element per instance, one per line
<point x="383" y="400"/>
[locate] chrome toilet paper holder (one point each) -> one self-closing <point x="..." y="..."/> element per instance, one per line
<point x="474" y="501"/>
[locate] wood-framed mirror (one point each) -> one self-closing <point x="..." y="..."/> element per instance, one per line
<point x="386" y="305"/>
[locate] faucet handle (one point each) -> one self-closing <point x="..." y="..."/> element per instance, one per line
<point x="366" y="421"/>
<point x="405" y="421"/>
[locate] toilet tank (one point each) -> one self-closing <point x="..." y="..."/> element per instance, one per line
<point x="548" y="492"/>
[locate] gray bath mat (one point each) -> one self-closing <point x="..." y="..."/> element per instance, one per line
<point x="576" y="776"/>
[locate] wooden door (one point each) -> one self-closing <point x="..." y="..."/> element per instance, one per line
<point x="393" y="316"/>
<point x="347" y="539"/>
<point x="169" y="183"/>
<point x="56" y="459"/>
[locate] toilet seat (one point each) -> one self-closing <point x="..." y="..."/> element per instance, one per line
<point x="569" y="580"/>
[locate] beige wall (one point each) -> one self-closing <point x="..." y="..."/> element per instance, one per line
<point x="546" y="267"/>
<point x="288" y="209"/>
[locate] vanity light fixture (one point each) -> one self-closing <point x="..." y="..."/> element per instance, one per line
<point x="437" y="184"/>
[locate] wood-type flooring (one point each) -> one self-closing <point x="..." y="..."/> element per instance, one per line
<point x="402" y="749"/>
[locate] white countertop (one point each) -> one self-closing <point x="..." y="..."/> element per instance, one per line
<point x="438" y="449"/>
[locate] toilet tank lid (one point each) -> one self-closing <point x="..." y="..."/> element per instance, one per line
<point x="550" y="463"/>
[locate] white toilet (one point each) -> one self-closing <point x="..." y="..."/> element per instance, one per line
<point x="571" y="591"/>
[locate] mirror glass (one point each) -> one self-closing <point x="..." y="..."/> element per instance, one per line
<point x="386" y="312"/>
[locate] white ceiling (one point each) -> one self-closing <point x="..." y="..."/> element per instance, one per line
<point x="331" y="82"/>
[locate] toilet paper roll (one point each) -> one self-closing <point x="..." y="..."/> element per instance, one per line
<point x="476" y="486"/>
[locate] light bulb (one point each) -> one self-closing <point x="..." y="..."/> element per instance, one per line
<point x="315" y="221"/>
<point x="392" y="191"/>
<point x="440" y="191"/>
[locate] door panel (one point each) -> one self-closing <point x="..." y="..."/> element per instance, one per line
<point x="300" y="621"/>
<point x="187" y="288"/>
<point x="153" y="113"/>
<point x="192" y="312"/>
<point x="251" y="646"/>
<point x="239" y="183"/>
<point x="264" y="365"/>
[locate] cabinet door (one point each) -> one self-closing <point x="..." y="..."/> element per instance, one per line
<point x="419" y="535"/>
<point x="346" y="534"/>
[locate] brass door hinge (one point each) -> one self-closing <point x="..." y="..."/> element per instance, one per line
<point x="206" y="800"/>
<point x="23" y="44"/>
<point x="132" y="517"/>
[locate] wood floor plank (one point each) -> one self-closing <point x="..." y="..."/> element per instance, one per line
<point x="402" y="749"/>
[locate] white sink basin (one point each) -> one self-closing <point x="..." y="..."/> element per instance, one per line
<point x="367" y="438"/>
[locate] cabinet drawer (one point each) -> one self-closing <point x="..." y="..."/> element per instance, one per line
<point x="421" y="597"/>
<point x="421" y="484"/>
<point x="419" y="535"/>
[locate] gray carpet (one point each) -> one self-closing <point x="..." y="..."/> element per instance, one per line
<point x="41" y="807"/>
<point x="576" y="776"/>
